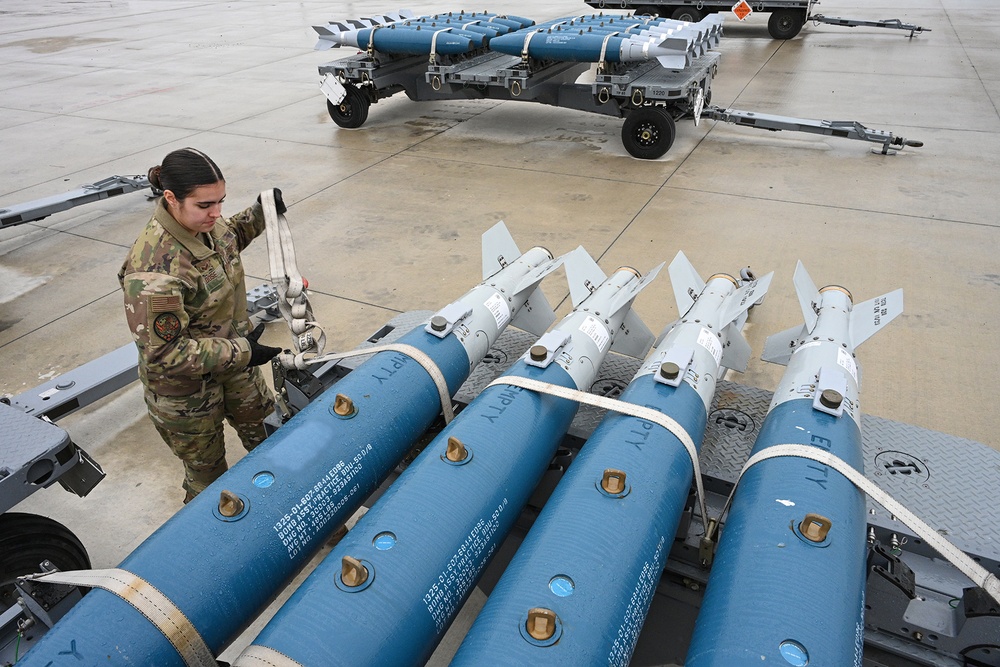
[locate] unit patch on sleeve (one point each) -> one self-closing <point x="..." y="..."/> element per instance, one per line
<point x="167" y="326"/>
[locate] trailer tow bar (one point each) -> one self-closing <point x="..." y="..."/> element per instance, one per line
<point x="846" y="129"/>
<point x="43" y="208"/>
<point x="895" y="24"/>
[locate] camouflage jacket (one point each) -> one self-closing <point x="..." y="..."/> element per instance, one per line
<point x="185" y="301"/>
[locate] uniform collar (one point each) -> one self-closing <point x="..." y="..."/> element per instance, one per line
<point x="191" y="242"/>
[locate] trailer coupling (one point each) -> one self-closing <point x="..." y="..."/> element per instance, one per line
<point x="846" y="129"/>
<point x="895" y="24"/>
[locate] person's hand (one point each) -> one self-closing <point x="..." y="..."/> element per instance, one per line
<point x="260" y="354"/>
<point x="279" y="204"/>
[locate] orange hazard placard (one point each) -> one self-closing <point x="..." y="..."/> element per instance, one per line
<point x="742" y="9"/>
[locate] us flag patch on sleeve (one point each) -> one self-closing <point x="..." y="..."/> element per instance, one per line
<point x="164" y="303"/>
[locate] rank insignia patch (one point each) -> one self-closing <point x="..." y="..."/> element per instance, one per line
<point x="167" y="326"/>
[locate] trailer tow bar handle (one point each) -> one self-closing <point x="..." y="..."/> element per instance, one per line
<point x="895" y="24"/>
<point x="845" y="129"/>
<point x="890" y="142"/>
<point x="91" y="192"/>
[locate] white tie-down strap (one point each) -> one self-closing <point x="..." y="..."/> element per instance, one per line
<point x="148" y="601"/>
<point x="989" y="582"/>
<point x="527" y="40"/>
<point x="262" y="656"/>
<point x="434" y="41"/>
<point x="601" y="65"/>
<point x="630" y="409"/>
<point x="293" y="302"/>
<point x="301" y="362"/>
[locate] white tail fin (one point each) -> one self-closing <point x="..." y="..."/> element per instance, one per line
<point x="536" y="315"/>
<point x="354" y="24"/>
<point x="499" y="249"/>
<point x="869" y="317"/>
<point x="779" y="347"/>
<point x="808" y="295"/>
<point x="736" y="355"/>
<point x="686" y="282"/>
<point x="866" y="318"/>
<point x="674" y="62"/>
<point x="625" y="296"/>
<point x="583" y="274"/>
<point x="327" y="37"/>
<point x="634" y="338"/>
<point x="688" y="285"/>
<point x="743" y="299"/>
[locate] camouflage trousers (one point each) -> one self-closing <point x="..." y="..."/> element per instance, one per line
<point x="192" y="426"/>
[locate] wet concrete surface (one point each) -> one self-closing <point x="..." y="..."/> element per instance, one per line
<point x="388" y="217"/>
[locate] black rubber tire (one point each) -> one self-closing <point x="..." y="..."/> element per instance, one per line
<point x="651" y="10"/>
<point x="648" y="132"/>
<point x="28" y="539"/>
<point x="689" y="14"/>
<point x="352" y="112"/>
<point x="785" y="23"/>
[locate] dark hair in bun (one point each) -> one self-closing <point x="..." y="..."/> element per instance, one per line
<point x="153" y="175"/>
<point x="183" y="170"/>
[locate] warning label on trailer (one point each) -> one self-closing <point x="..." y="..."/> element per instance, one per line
<point x="742" y="9"/>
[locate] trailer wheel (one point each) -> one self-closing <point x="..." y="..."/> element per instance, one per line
<point x="352" y="112"/>
<point x="648" y="132"/>
<point x="649" y="10"/>
<point x="785" y="23"/>
<point x="28" y="539"/>
<point x="689" y="14"/>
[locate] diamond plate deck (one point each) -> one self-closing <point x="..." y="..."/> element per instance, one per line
<point x="28" y="454"/>
<point x="26" y="439"/>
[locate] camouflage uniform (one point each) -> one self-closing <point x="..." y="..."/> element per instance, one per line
<point x="185" y="302"/>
